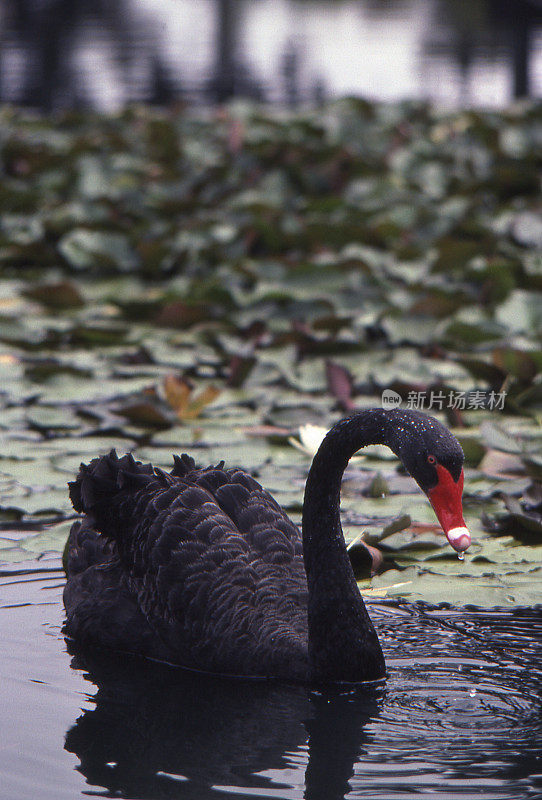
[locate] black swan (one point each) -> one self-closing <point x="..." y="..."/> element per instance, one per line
<point x="202" y="567"/>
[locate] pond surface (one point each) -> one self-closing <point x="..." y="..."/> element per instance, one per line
<point x="459" y="715"/>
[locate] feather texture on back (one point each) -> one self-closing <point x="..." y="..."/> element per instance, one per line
<point x="202" y="566"/>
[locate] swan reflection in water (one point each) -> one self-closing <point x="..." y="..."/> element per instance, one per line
<point x="461" y="711"/>
<point x="154" y="727"/>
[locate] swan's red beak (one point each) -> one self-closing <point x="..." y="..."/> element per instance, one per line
<point x="445" y="498"/>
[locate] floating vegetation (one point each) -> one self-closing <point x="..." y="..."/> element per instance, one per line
<point x="223" y="293"/>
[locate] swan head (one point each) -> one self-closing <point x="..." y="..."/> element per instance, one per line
<point x="434" y="458"/>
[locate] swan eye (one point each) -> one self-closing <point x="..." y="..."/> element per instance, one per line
<point x="431" y="459"/>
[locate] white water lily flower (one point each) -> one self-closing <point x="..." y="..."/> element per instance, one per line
<point x="310" y="438"/>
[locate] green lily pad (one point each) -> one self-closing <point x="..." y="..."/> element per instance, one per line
<point x="402" y="244"/>
<point x="521" y="312"/>
<point x="88" y="249"/>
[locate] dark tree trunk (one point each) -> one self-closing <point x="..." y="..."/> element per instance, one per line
<point x="223" y="83"/>
<point x="521" y="39"/>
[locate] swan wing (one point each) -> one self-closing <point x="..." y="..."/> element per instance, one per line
<point x="210" y="558"/>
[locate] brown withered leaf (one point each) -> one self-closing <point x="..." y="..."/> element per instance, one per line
<point x="239" y="369"/>
<point x="63" y="294"/>
<point x="178" y="314"/>
<point x="146" y="414"/>
<point x="365" y="559"/>
<point x="179" y="392"/>
<point x="340" y="384"/>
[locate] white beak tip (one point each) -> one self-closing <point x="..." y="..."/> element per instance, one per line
<point x="459" y="538"/>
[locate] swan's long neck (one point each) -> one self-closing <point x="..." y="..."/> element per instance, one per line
<point x="343" y="644"/>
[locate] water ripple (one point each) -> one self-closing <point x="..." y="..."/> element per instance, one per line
<point x="459" y="716"/>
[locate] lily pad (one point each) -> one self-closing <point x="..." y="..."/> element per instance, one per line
<point x="88" y="249"/>
<point x="171" y="284"/>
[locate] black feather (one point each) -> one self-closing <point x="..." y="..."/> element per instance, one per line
<point x="183" y="465"/>
<point x="179" y="539"/>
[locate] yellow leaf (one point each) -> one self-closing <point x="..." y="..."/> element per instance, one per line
<point x="179" y="394"/>
<point x="383" y="592"/>
<point x="177" y="391"/>
<point x="205" y="397"/>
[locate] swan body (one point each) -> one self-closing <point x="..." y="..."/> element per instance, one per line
<point x="202" y="567"/>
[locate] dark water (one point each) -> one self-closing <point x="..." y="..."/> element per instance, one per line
<point x="66" y="53"/>
<point x="460" y="715"/>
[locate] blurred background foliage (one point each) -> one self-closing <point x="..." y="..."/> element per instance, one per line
<point x="213" y="280"/>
